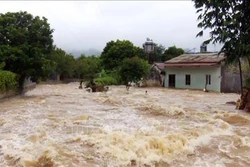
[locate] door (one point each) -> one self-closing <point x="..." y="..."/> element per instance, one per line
<point x="171" y="80"/>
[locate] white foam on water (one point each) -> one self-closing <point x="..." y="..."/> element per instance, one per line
<point x="64" y="126"/>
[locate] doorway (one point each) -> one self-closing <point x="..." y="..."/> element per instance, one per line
<point x="171" y="80"/>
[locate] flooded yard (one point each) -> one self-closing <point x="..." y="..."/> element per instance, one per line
<point x="63" y="126"/>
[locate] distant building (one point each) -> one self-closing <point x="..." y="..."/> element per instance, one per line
<point x="199" y="71"/>
<point x="203" y="48"/>
<point x="149" y="47"/>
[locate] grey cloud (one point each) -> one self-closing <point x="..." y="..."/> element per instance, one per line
<point x="84" y="25"/>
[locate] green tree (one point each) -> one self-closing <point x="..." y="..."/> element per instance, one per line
<point x="64" y="64"/>
<point x="24" y="43"/>
<point x="229" y="22"/>
<point x="88" y="66"/>
<point x="115" y="51"/>
<point x="157" y="55"/>
<point x="133" y="69"/>
<point x="172" y="52"/>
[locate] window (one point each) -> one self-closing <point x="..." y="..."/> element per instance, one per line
<point x="188" y="79"/>
<point x="208" y="79"/>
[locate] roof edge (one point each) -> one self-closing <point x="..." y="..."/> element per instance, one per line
<point x="184" y="62"/>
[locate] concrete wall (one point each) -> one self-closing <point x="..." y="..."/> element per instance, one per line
<point x="230" y="82"/>
<point x="198" y="77"/>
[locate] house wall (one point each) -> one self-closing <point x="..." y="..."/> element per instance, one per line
<point x="230" y="81"/>
<point x="198" y="77"/>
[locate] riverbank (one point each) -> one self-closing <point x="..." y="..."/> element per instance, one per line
<point x="9" y="94"/>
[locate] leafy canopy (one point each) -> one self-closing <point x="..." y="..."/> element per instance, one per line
<point x="24" y="43"/>
<point x="133" y="69"/>
<point x="88" y="66"/>
<point x="115" y="51"/>
<point x="172" y="52"/>
<point x="157" y="54"/>
<point x="229" y="22"/>
<point x="64" y="64"/>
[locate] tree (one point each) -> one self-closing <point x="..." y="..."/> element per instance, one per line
<point x="24" y="43"/>
<point x="172" y="52"/>
<point x="65" y="64"/>
<point x="158" y="53"/>
<point x="229" y="24"/>
<point x="133" y="69"/>
<point x="88" y="66"/>
<point x="115" y="51"/>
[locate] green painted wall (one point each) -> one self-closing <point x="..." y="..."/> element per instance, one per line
<point x="198" y="77"/>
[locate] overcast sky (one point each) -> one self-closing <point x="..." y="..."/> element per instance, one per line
<point x="83" y="25"/>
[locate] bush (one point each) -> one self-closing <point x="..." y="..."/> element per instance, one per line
<point x="106" y="81"/>
<point x="8" y="81"/>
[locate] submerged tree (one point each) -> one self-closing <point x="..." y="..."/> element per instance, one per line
<point x="88" y="66"/>
<point x="133" y="69"/>
<point x="229" y="22"/>
<point x="24" y="43"/>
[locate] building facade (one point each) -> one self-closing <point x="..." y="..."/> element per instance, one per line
<point x="200" y="71"/>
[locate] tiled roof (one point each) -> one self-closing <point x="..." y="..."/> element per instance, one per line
<point x="191" y="64"/>
<point x="161" y="66"/>
<point x="197" y="58"/>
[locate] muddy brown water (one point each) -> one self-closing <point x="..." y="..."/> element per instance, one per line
<point x="63" y="126"/>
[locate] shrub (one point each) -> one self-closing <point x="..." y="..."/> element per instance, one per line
<point x="8" y="81"/>
<point x="108" y="80"/>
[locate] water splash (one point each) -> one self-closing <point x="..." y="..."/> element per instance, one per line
<point x="59" y="125"/>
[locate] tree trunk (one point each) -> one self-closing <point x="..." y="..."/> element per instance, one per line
<point x="241" y="84"/>
<point x="58" y="76"/>
<point x="21" y="83"/>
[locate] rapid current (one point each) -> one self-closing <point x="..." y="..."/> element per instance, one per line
<point x="63" y="126"/>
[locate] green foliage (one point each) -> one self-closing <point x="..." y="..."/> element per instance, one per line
<point x="87" y="66"/>
<point x="8" y="81"/>
<point x="107" y="80"/>
<point x="103" y="73"/>
<point x="116" y="51"/>
<point x="229" y="24"/>
<point x="114" y="74"/>
<point x="24" y="43"/>
<point x="159" y="52"/>
<point x="2" y="65"/>
<point x="62" y="63"/>
<point x="172" y="52"/>
<point x="133" y="69"/>
<point x="48" y="66"/>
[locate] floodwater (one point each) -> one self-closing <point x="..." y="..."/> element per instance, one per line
<point x="63" y="126"/>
